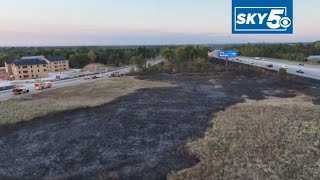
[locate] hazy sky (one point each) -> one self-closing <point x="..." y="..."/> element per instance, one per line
<point x="126" y="22"/>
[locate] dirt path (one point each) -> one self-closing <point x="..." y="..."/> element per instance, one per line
<point x="139" y="134"/>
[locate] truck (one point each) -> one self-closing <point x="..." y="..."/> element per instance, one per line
<point x="42" y="85"/>
<point x="116" y="74"/>
<point x="20" y="90"/>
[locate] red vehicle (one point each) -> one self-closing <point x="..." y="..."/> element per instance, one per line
<point x="42" y="85"/>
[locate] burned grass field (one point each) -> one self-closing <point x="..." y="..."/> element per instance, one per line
<point x="270" y="139"/>
<point x="147" y="133"/>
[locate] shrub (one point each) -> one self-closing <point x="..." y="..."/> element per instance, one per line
<point x="282" y="74"/>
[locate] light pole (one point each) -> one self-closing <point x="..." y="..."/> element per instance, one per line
<point x="227" y="63"/>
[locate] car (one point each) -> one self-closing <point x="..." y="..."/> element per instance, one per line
<point x="257" y="58"/>
<point x="86" y="77"/>
<point x="20" y="90"/>
<point x="100" y="76"/>
<point x="300" y="71"/>
<point x="284" y="67"/>
<point x="269" y="66"/>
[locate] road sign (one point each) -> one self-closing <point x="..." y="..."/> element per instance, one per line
<point x="228" y="54"/>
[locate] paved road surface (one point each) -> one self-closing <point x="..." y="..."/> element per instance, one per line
<point x="310" y="71"/>
<point x="5" y="95"/>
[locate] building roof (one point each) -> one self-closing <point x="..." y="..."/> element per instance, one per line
<point x="28" y="62"/>
<point x="34" y="60"/>
<point x="32" y="57"/>
<point x="56" y="58"/>
<point x="9" y="60"/>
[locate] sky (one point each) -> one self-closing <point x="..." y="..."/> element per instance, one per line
<point x="137" y="22"/>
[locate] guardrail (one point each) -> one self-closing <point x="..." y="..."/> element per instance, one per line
<point x="292" y="73"/>
<point x="3" y="88"/>
<point x="302" y="75"/>
<point x="306" y="75"/>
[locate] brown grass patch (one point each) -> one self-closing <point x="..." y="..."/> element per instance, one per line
<point x="270" y="139"/>
<point x="85" y="95"/>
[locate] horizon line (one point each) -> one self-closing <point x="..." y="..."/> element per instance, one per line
<point x="178" y="44"/>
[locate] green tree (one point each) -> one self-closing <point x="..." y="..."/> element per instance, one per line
<point x="115" y="58"/>
<point x="282" y="74"/>
<point x="200" y="63"/>
<point x="138" y="61"/>
<point x="79" y="60"/>
<point x="168" y="55"/>
<point x="182" y="54"/>
<point x="294" y="52"/>
<point x="92" y="56"/>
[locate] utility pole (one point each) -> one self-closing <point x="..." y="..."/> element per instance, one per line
<point x="227" y="63"/>
<point x="145" y="63"/>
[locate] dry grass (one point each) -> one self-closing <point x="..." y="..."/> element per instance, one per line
<point x="270" y="139"/>
<point x="85" y="95"/>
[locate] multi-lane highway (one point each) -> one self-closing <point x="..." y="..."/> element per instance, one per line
<point x="5" y="95"/>
<point x="306" y="70"/>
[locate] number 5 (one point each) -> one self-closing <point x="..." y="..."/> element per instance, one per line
<point x="274" y="17"/>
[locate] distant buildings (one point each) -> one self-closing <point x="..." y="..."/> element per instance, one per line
<point x="315" y="58"/>
<point x="31" y="67"/>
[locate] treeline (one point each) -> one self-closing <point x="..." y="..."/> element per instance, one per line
<point x="80" y="57"/>
<point x="294" y="52"/>
<point x="186" y="59"/>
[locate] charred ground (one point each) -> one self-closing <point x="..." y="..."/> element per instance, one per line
<point x="141" y="134"/>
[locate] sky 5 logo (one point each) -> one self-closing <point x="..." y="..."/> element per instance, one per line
<point x="262" y="16"/>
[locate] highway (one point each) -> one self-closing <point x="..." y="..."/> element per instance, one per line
<point x="310" y="71"/>
<point x="5" y="95"/>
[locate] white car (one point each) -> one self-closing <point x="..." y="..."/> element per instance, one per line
<point x="100" y="76"/>
<point x="257" y="58"/>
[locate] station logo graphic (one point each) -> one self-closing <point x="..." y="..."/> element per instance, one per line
<point x="262" y="16"/>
